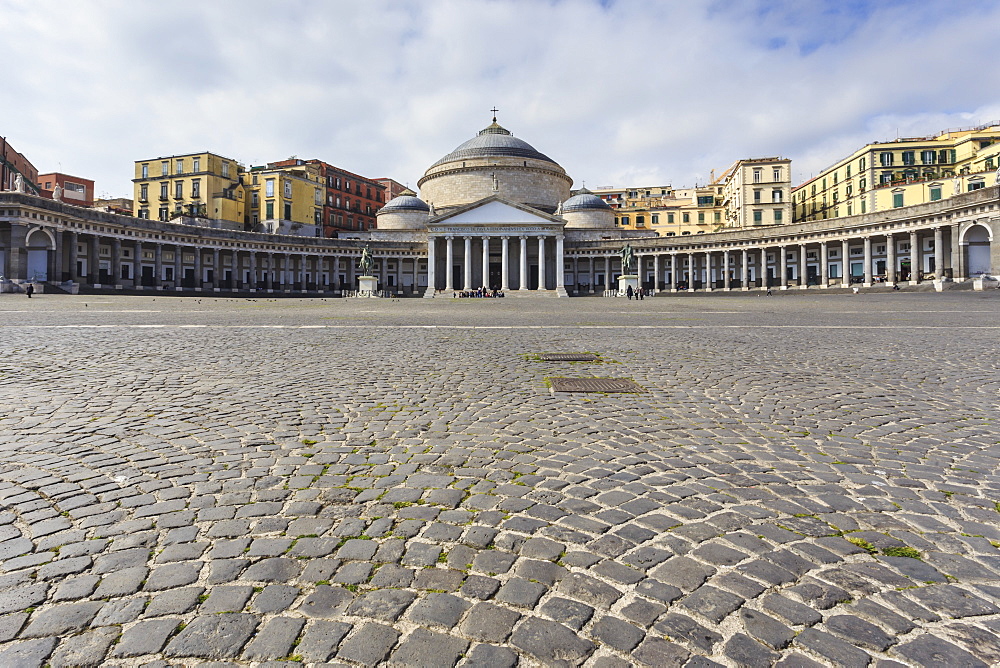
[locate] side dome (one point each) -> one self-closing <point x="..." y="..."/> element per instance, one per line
<point x="494" y="141"/>
<point x="405" y="212"/>
<point x="405" y="203"/>
<point x="584" y="201"/>
<point x="587" y="211"/>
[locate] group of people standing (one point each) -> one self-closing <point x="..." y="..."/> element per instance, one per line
<point x="637" y="292"/>
<point x="480" y="293"/>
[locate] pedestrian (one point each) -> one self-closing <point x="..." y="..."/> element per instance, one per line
<point x="642" y="293"/>
<point x="629" y="292"/>
<point x="30" y="289"/>
<point x="768" y="291"/>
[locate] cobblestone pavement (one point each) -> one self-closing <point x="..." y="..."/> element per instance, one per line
<point x="808" y="480"/>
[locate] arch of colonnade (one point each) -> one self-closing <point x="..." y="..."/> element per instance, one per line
<point x="56" y="243"/>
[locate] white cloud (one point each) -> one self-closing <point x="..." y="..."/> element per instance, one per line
<point x="619" y="92"/>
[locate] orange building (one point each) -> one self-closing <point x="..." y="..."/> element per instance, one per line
<point x="75" y="190"/>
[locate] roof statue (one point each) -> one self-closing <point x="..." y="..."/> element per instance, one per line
<point x="57" y="193"/>
<point x="19" y="183"/>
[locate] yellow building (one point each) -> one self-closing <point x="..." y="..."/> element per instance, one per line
<point x="757" y="192"/>
<point x="286" y="197"/>
<point x="886" y="175"/>
<point x="665" y="210"/>
<point x="202" y="185"/>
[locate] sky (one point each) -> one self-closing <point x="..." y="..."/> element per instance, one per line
<point x="619" y="92"/>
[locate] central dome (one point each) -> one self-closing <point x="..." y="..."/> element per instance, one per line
<point x="494" y="141"/>
<point x="495" y="163"/>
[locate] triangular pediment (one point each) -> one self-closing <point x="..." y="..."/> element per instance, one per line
<point x="495" y="210"/>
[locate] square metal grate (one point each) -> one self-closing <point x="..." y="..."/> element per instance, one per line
<point x="568" y="357"/>
<point x="594" y="385"/>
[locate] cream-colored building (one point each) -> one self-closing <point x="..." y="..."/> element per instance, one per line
<point x="195" y="185"/>
<point x="889" y="175"/>
<point x="286" y="198"/>
<point x="757" y="192"/>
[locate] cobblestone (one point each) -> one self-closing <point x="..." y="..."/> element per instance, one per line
<point x="392" y="482"/>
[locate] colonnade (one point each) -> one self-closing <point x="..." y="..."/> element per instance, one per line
<point x="460" y="256"/>
<point x="909" y="255"/>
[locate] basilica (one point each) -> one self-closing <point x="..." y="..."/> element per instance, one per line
<point x="496" y="213"/>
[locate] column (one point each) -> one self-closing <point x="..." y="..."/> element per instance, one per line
<point x="467" y="265"/>
<point x="690" y="274"/>
<point x="335" y="272"/>
<point x="523" y="284"/>
<point x="449" y="270"/>
<point x="745" y="271"/>
<point x="352" y="272"/>
<point x="560" y="266"/>
<point x="673" y="272"/>
<point x="216" y="270"/>
<point x="116" y="261"/>
<point x="178" y="267"/>
<point x="824" y="266"/>
<point x="415" y="260"/>
<point x="783" y="269"/>
<point x="198" y="282"/>
<point x="74" y="241"/>
<point x="890" y="259"/>
<point x="803" y="267"/>
<point x="137" y="265"/>
<point x="504" y="269"/>
<point x="252" y="279"/>
<point x="709" y="283"/>
<point x="868" y="261"/>
<point x="938" y="254"/>
<point x="576" y="273"/>
<point x="94" y="261"/>
<point x="725" y="271"/>
<point x="383" y="270"/>
<point x="486" y="262"/>
<point x="607" y="273"/>
<point x="268" y="271"/>
<point x="915" y="259"/>
<point x="158" y="266"/>
<point x="656" y="273"/>
<point x="541" y="263"/>
<point x="958" y="261"/>
<point x="431" y="269"/>
<point x="303" y="265"/>
<point x="845" y="262"/>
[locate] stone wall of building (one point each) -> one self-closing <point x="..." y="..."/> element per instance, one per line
<point x="533" y="182"/>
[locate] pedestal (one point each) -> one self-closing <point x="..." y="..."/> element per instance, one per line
<point x="367" y="286"/>
<point x="628" y="280"/>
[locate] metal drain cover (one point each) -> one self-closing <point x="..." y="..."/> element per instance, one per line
<point x="568" y="357"/>
<point x="594" y="385"/>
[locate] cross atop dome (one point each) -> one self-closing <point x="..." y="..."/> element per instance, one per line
<point x="494" y="110"/>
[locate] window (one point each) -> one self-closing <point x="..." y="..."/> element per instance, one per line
<point x="196" y="164"/>
<point x="288" y="188"/>
<point x="178" y="189"/>
<point x="718" y="217"/>
<point x="254" y="199"/>
<point x="776" y="174"/>
<point x="848" y="171"/>
<point x="318" y="197"/>
<point x="935" y="193"/>
<point x="654" y="219"/>
<point x="269" y="189"/>
<point x="687" y="218"/>
<point x="836" y="178"/>
<point x="758" y="216"/>
<point x="163" y="213"/>
<point x="928" y="157"/>
<point x="776" y="195"/>
<point x="164" y="168"/>
<point x="756" y="195"/>
<point x="145" y="171"/>
<point x="885" y="177"/>
<point x="196" y="188"/>
<point x="778" y="216"/>
<point x="701" y="217"/>
<point x="225" y="170"/>
<point x="269" y="211"/>
<point x="624" y="220"/>
<point x="897" y="200"/>
<point x="849" y="209"/>
<point x="670" y="218"/>
<point x="862" y="185"/>
<point x="885" y="159"/>
<point x="143" y="192"/>
<point x="863" y="206"/>
<point x="180" y="167"/>
<point x="908" y="158"/>
<point x="861" y="165"/>
<point x="758" y="174"/>
<point x="163" y="191"/>
<point x="640" y="221"/>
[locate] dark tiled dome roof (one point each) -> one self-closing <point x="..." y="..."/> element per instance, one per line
<point x="494" y="141"/>
<point x="405" y="203"/>
<point x="584" y="200"/>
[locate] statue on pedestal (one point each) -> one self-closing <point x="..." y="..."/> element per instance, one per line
<point x="628" y="257"/>
<point x="57" y="193"/>
<point x="367" y="262"/>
